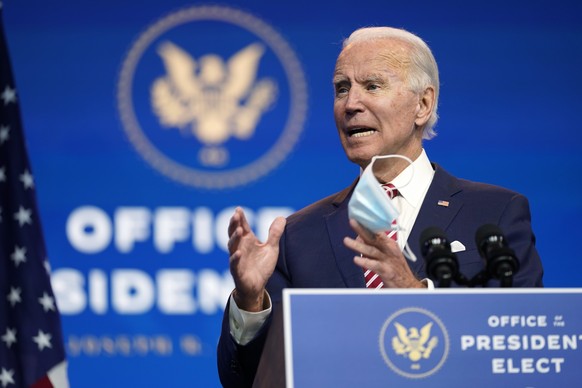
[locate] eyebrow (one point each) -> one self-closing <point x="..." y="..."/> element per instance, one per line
<point x="376" y="77"/>
<point x="338" y="78"/>
<point x="369" y="78"/>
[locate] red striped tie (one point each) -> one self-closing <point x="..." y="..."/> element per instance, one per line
<point x="371" y="278"/>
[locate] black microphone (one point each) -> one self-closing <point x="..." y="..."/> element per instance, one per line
<point x="441" y="263"/>
<point x="501" y="261"/>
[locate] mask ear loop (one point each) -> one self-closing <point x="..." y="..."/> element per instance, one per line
<point x="406" y="251"/>
<point x="374" y="158"/>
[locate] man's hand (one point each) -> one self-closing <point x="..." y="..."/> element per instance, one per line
<point x="251" y="262"/>
<point x="382" y="255"/>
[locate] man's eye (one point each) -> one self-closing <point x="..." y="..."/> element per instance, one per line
<point x="341" y="90"/>
<point x="373" y="87"/>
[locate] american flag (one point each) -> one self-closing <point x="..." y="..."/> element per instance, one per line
<point x="31" y="345"/>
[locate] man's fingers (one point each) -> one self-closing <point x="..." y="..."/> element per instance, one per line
<point x="234" y="239"/>
<point x="365" y="234"/>
<point x="234" y="222"/>
<point x="367" y="263"/>
<point x="243" y="220"/>
<point x="235" y="256"/>
<point x="238" y="219"/>
<point x="362" y="248"/>
<point x="276" y="231"/>
<point x="355" y="245"/>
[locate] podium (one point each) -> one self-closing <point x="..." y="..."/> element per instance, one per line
<point x="420" y="338"/>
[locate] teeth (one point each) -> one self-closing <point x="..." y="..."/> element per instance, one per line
<point x="362" y="134"/>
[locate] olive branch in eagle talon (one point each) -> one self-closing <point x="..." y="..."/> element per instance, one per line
<point x="212" y="99"/>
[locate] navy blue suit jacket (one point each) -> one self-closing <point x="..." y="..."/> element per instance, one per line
<point x="312" y="253"/>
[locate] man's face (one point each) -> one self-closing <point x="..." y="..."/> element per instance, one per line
<point x="375" y="112"/>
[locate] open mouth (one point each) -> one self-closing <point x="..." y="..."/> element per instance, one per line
<point x="360" y="132"/>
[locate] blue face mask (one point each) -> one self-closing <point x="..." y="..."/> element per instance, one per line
<point x="370" y="205"/>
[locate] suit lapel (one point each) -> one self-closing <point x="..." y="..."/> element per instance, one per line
<point x="338" y="228"/>
<point x="438" y="210"/>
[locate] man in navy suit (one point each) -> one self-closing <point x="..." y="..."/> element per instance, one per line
<point x="386" y="93"/>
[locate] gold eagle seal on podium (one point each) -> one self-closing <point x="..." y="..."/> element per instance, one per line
<point x="414" y="342"/>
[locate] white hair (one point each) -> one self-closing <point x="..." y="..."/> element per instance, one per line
<point x="423" y="72"/>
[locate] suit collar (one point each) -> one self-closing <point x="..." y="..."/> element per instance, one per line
<point x="340" y="198"/>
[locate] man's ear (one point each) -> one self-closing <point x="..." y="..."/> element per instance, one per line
<point x="426" y="101"/>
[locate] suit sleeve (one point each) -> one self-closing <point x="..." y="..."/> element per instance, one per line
<point x="237" y="364"/>
<point x="515" y="222"/>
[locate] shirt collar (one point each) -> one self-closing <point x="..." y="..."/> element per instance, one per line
<point x="413" y="189"/>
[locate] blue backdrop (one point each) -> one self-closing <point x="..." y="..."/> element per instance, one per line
<point x="135" y="199"/>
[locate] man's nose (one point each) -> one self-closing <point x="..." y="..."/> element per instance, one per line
<point x="354" y="101"/>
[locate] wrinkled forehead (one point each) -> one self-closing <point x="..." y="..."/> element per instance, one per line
<point x="394" y="54"/>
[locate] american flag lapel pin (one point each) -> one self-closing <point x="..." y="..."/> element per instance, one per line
<point x="443" y="203"/>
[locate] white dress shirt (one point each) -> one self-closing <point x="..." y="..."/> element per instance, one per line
<point x="244" y="325"/>
<point x="412" y="192"/>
